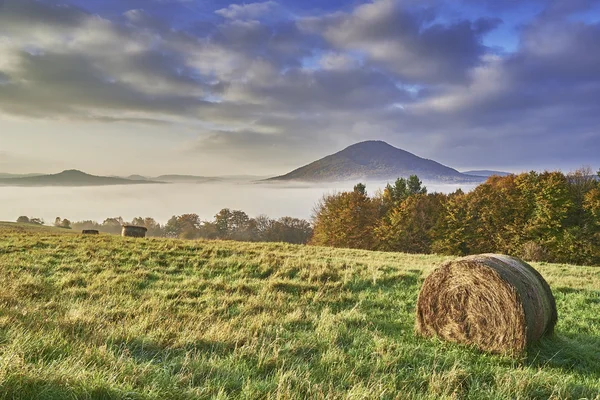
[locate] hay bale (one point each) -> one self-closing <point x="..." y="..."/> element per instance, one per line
<point x="134" y="231"/>
<point x="90" y="232"/>
<point x="498" y="303"/>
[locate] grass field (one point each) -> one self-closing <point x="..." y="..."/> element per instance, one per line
<point x="112" y="318"/>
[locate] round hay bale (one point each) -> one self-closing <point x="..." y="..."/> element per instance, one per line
<point x="90" y="232"/>
<point x="495" y="302"/>
<point x="134" y="231"/>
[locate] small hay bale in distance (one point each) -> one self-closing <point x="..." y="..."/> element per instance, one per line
<point x="134" y="231"/>
<point x="90" y="232"/>
<point x="497" y="303"/>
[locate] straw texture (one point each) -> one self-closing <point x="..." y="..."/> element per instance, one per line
<point x="495" y="302"/>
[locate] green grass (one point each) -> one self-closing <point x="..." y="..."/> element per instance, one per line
<point x="84" y="317"/>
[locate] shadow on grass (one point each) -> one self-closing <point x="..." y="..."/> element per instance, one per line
<point x="144" y="351"/>
<point x="388" y="283"/>
<point x="569" y="352"/>
<point x="577" y="352"/>
<point x="17" y="387"/>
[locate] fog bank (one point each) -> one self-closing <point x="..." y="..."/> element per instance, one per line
<point x="163" y="201"/>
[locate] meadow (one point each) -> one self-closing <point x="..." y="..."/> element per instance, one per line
<point x="105" y="317"/>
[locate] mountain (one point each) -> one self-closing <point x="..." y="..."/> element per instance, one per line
<point x="175" y="178"/>
<point x="486" y="173"/>
<point x="69" y="178"/>
<point x="186" y="179"/>
<point x="374" y="160"/>
<point x="137" y="178"/>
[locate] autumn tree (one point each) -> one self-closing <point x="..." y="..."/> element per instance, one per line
<point x="346" y="219"/>
<point x="184" y="226"/>
<point x="409" y="227"/>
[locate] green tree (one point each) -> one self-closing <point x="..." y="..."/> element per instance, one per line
<point x="409" y="227"/>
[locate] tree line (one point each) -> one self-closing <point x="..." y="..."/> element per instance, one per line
<point x="226" y="225"/>
<point x="547" y="216"/>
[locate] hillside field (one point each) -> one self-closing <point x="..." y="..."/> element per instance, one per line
<point x="84" y="317"/>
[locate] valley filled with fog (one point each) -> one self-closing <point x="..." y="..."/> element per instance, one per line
<point x="162" y="201"/>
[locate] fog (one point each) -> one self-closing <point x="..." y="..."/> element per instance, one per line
<point x="163" y="201"/>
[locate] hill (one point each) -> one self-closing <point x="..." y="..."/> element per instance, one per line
<point x="13" y="228"/>
<point x="70" y="178"/>
<point x="486" y="173"/>
<point x="108" y="317"/>
<point x="207" y="179"/>
<point x="5" y="175"/>
<point x="374" y="160"/>
<point x="137" y="178"/>
<point x="186" y="179"/>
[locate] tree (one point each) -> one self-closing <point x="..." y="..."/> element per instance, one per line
<point x="188" y="226"/>
<point x="223" y="222"/>
<point x="346" y="219"/>
<point x="154" y="228"/>
<point x="26" y="220"/>
<point x="409" y="227"/>
<point x="112" y="225"/>
<point x="415" y="186"/>
<point x="395" y="194"/>
<point x="87" y="225"/>
<point x="172" y="228"/>
<point x="62" y="223"/>
<point x="454" y="232"/>
<point x="264" y="228"/>
<point x="289" y="230"/>
<point x="235" y="225"/>
<point x="402" y="188"/>
<point x="360" y="188"/>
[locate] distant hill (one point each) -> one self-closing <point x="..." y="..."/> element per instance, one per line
<point x="69" y="178"/>
<point x="5" y="175"/>
<point x="186" y="179"/>
<point x="175" y="178"/>
<point x="486" y="173"/>
<point x="374" y="160"/>
<point x="137" y="178"/>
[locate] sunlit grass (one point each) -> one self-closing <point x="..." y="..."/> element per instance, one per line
<point x="106" y="317"/>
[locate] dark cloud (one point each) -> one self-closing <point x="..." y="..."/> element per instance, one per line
<point x="58" y="85"/>
<point x="26" y="13"/>
<point x="406" y="41"/>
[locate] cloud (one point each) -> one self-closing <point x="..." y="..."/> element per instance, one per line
<point x="408" y="42"/>
<point x="247" y="11"/>
<point x="262" y="86"/>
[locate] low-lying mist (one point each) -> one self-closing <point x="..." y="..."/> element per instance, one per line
<point x="163" y="201"/>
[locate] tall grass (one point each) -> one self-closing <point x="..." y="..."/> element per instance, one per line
<point x="84" y="317"/>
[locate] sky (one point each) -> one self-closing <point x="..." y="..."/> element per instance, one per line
<point x="119" y="87"/>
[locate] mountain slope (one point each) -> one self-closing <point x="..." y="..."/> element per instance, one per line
<point x="69" y="178"/>
<point x="374" y="160"/>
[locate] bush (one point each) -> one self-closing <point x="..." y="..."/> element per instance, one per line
<point x="532" y="251"/>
